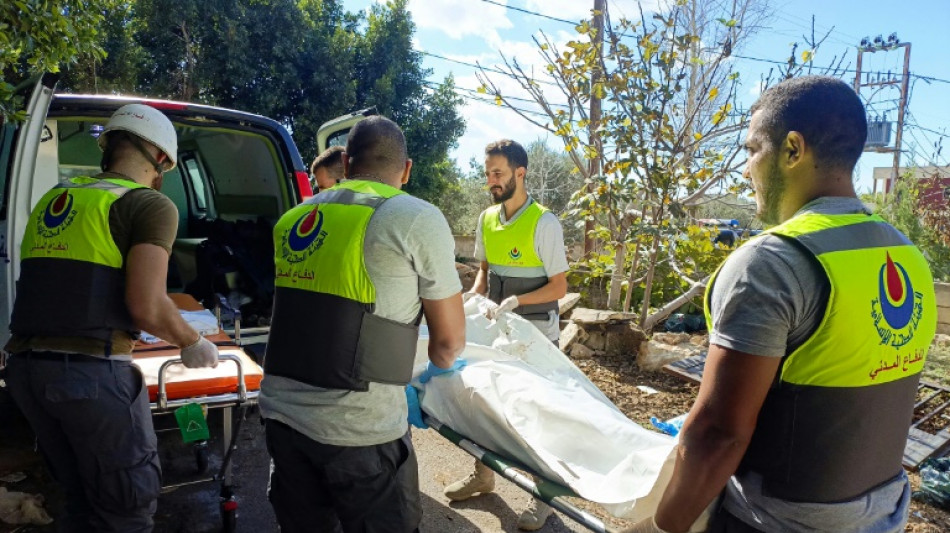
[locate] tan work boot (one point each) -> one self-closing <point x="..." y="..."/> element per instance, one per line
<point x="481" y="481"/>
<point x="534" y="516"/>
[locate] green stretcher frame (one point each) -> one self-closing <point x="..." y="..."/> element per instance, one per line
<point x="551" y="493"/>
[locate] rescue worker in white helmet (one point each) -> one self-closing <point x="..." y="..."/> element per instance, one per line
<point x="93" y="265"/>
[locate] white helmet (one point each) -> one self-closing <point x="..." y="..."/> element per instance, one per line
<point x="146" y="122"/>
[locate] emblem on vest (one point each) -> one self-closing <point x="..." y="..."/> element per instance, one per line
<point x="898" y="308"/>
<point x="304" y="237"/>
<point x="514" y="254"/>
<point x="57" y="216"/>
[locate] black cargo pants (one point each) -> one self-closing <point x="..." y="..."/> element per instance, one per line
<point x="351" y="489"/>
<point x="92" y="422"/>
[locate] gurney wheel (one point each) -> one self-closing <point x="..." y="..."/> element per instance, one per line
<point x="201" y="457"/>
<point x="228" y="516"/>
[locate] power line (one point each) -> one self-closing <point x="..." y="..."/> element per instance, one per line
<point x="759" y="59"/>
<point x="480" y="67"/>
<point x="475" y="92"/>
<point x="915" y="124"/>
<point x="542" y="15"/>
<point x="929" y="78"/>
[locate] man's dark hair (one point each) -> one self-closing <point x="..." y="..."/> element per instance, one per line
<point x="826" y="111"/>
<point x="512" y="151"/>
<point x="329" y="158"/>
<point x="376" y="146"/>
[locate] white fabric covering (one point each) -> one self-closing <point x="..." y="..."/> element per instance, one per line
<point x="521" y="397"/>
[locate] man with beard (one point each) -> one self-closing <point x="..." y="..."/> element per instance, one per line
<point x="94" y="262"/>
<point x="523" y="269"/>
<point x="819" y="329"/>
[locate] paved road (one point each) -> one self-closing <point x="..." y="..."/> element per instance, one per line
<point x="194" y="509"/>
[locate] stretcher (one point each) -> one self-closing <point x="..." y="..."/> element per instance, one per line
<point x="550" y="492"/>
<point x="233" y="384"/>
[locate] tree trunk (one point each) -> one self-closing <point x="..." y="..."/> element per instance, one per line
<point x="665" y="311"/>
<point x="633" y="272"/>
<point x="645" y="308"/>
<point x="616" y="278"/>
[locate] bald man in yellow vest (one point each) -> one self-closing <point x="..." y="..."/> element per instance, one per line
<point x="523" y="269"/>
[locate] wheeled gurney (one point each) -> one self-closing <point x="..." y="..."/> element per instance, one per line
<point x="234" y="384"/>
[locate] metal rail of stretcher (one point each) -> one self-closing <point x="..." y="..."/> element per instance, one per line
<point x="242" y="399"/>
<point x="551" y="493"/>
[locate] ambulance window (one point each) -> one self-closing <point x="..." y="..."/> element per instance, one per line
<point x="197" y="182"/>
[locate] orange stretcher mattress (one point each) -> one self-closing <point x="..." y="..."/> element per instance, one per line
<point x="184" y="382"/>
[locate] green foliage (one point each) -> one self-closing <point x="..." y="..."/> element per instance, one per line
<point x="43" y="36"/>
<point x="552" y="180"/>
<point x="463" y="200"/>
<point x="926" y="226"/>
<point x="301" y="63"/>
<point x="692" y="253"/>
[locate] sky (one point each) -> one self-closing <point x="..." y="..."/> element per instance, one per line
<point x="455" y="34"/>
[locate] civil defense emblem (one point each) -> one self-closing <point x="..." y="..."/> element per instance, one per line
<point x="514" y="253"/>
<point x="307" y="232"/>
<point x="898" y="307"/>
<point x="58" y="215"/>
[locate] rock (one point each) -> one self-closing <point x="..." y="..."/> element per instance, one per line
<point x="596" y="340"/>
<point x="623" y="339"/>
<point x="579" y="351"/>
<point x="585" y="317"/>
<point x="568" y="302"/>
<point x="570" y="334"/>
<point x="654" y="355"/>
<point x="699" y="340"/>
<point x="671" y="338"/>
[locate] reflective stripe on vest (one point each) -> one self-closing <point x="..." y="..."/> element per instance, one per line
<point x="512" y="247"/>
<point x="72" y="281"/>
<point x="834" y="425"/>
<point x="323" y="331"/>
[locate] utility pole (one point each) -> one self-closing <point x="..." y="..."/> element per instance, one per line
<point x="600" y="7"/>
<point x="903" y="82"/>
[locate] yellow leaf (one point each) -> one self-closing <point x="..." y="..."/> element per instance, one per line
<point x="481" y="89"/>
<point x="697" y="136"/>
<point x="498" y="100"/>
<point x="807" y="55"/>
<point x="713" y="92"/>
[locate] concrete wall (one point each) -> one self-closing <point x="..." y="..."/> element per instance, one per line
<point x="943" y="307"/>
<point x="465" y="246"/>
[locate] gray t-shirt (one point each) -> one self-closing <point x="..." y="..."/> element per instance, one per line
<point x="548" y="244"/>
<point x="409" y="254"/>
<point x="769" y="297"/>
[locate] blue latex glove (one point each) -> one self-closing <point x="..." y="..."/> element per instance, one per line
<point x="415" y="411"/>
<point x="431" y="370"/>
<point x="670" y="427"/>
